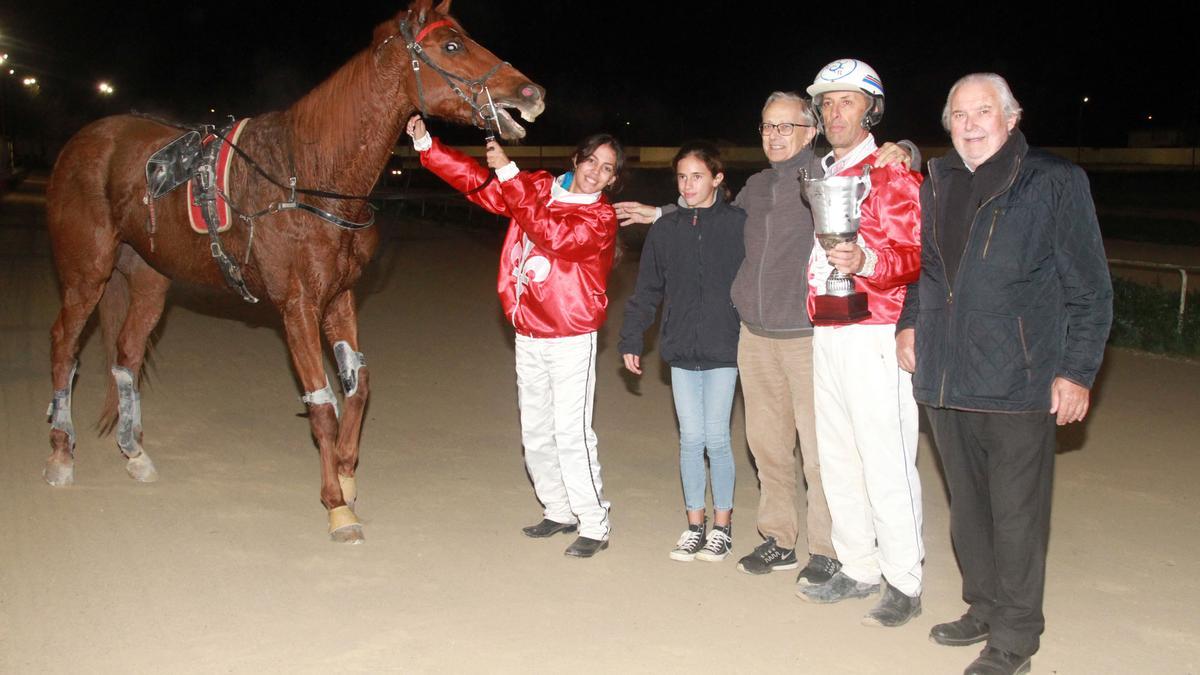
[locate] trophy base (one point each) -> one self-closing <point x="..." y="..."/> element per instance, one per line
<point x="834" y="310"/>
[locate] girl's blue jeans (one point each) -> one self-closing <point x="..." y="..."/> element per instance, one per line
<point x="703" y="404"/>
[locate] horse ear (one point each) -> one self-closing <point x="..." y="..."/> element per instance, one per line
<point x="421" y="7"/>
<point x="444" y="8"/>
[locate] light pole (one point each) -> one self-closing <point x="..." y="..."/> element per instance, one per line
<point x="3" y="102"/>
<point x="1079" y="129"/>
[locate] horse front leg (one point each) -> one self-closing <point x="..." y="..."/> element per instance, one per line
<point x="304" y="342"/>
<point x="341" y="330"/>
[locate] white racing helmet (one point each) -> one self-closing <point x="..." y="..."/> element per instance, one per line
<point x="851" y="75"/>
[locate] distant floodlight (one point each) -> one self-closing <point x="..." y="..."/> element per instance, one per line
<point x="105" y="89"/>
<point x="29" y="81"/>
<point x="1086" y="99"/>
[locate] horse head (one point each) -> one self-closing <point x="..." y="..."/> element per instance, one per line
<point x="452" y="76"/>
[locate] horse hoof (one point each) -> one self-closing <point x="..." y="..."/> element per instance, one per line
<point x="141" y="469"/>
<point x="350" y="534"/>
<point x="59" y="474"/>
<point x="344" y="527"/>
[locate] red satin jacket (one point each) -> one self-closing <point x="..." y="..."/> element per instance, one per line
<point x="891" y="227"/>
<point x="558" y="251"/>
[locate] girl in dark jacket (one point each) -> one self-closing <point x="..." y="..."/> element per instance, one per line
<point x="689" y="260"/>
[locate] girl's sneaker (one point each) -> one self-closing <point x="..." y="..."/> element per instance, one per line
<point x="689" y="543"/>
<point x="717" y="546"/>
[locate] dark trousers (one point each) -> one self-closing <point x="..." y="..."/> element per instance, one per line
<point x="1000" y="470"/>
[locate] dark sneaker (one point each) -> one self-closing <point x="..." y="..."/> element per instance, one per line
<point x="839" y="587"/>
<point x="689" y="543"/>
<point x="894" y="608"/>
<point x="768" y="557"/>
<point x="994" y="661"/>
<point x="965" y="631"/>
<point x="717" y="546"/>
<point x="818" y="570"/>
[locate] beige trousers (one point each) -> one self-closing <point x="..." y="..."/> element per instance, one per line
<point x="777" y="386"/>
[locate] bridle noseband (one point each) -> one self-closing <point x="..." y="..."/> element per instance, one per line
<point x="417" y="56"/>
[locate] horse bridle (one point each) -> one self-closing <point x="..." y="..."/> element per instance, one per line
<point x="483" y="113"/>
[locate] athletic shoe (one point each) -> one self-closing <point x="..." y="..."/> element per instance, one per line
<point x="818" y="570"/>
<point x="768" y="557"/>
<point x="839" y="587"/>
<point x="894" y="608"/>
<point x="717" y="546"/>
<point x="689" y="543"/>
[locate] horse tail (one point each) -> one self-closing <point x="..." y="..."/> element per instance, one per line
<point x="113" y="306"/>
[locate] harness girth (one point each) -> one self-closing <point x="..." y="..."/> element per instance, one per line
<point x="205" y="188"/>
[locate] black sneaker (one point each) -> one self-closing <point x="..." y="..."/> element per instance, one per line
<point x="717" y="545"/>
<point x="768" y="557"/>
<point x="818" y="570"/>
<point x="690" y="543"/>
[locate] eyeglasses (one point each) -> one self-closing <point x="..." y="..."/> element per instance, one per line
<point x="784" y="129"/>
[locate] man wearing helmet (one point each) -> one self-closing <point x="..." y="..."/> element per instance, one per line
<point x="866" y="415"/>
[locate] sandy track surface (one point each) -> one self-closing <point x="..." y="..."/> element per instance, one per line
<point x="224" y="566"/>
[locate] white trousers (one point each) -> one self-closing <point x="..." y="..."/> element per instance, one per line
<point x="867" y="441"/>
<point x="556" y="387"/>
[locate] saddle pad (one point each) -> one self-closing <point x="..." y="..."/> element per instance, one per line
<point x="224" y="159"/>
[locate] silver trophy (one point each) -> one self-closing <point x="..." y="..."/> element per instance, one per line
<point x="836" y="204"/>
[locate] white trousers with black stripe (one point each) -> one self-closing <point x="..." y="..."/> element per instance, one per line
<point x="867" y="442"/>
<point x="556" y="387"/>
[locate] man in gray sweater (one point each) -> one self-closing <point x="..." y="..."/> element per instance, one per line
<point x="775" y="344"/>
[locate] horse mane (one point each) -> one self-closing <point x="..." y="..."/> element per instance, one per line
<point x="335" y="125"/>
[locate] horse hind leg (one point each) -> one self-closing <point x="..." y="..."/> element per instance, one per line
<point x="60" y="466"/>
<point x="84" y="267"/>
<point x="147" y="296"/>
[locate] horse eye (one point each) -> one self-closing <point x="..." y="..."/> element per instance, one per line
<point x="453" y="46"/>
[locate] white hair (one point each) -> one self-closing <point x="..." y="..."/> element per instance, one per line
<point x="1008" y="102"/>
<point x="806" y="109"/>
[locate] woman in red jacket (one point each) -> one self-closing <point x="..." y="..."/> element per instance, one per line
<point x="553" y="278"/>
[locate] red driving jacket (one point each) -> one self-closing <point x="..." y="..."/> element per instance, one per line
<point x="558" y="250"/>
<point x="891" y="227"/>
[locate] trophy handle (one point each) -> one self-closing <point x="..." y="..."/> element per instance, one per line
<point x="865" y="184"/>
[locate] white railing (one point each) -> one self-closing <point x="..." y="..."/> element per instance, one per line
<point x="1183" y="280"/>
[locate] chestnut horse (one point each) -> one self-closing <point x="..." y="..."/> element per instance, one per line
<point x="117" y="247"/>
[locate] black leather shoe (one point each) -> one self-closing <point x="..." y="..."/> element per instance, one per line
<point x="584" y="547"/>
<point x="994" y="661"/>
<point x="965" y="631"/>
<point x="547" y="528"/>
<point x="894" y="608"/>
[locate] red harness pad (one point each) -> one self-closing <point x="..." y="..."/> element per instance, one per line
<point x="224" y="159"/>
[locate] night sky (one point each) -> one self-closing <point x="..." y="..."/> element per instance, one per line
<point x="655" y="73"/>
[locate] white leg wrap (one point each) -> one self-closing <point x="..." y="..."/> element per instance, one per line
<point x="59" y="411"/>
<point x="129" y="412"/>
<point x="349" y="489"/>
<point x="323" y="396"/>
<point x="349" y="362"/>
